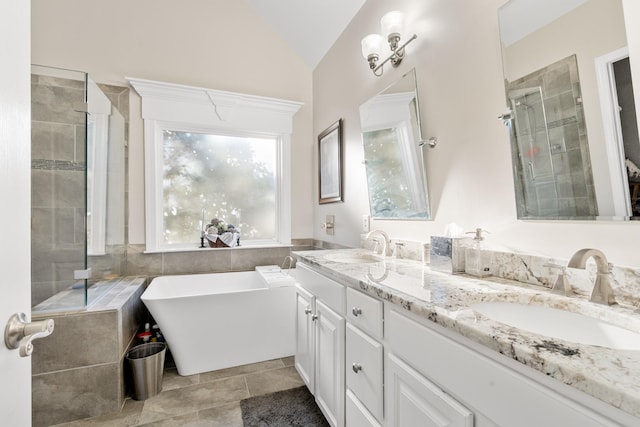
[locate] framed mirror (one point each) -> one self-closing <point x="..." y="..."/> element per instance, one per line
<point x="330" y="163"/>
<point x="570" y="109"/>
<point x="393" y="152"/>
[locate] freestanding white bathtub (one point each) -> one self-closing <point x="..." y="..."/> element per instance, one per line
<point x="216" y="321"/>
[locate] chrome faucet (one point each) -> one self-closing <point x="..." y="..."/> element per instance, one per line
<point x="602" y="292"/>
<point x="380" y="235"/>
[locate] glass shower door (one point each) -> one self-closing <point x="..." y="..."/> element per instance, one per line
<point x="58" y="189"/>
<point x="535" y="153"/>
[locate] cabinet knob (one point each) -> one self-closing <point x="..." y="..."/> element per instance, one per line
<point x="314" y="317"/>
<point x="356" y="367"/>
<point x="307" y="310"/>
<point x="356" y="311"/>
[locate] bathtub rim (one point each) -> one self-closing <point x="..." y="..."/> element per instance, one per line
<point x="259" y="285"/>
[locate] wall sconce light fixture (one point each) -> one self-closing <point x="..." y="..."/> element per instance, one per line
<point x="372" y="45"/>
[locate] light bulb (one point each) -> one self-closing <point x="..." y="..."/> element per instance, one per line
<point x="392" y="23"/>
<point x="372" y="45"/>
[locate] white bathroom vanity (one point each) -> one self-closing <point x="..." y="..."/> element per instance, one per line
<point x="387" y="342"/>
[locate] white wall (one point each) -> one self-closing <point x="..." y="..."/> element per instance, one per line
<point x="214" y="44"/>
<point x="459" y="72"/>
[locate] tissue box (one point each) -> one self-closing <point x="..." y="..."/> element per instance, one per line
<point x="447" y="254"/>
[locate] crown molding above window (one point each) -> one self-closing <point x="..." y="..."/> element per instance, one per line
<point x="217" y="108"/>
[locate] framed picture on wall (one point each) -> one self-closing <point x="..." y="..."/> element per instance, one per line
<point x="330" y="163"/>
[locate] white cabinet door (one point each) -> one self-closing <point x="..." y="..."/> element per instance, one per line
<point x="329" y="378"/>
<point x="305" y="337"/>
<point x="415" y="401"/>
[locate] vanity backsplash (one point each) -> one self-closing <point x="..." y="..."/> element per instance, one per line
<point x="537" y="270"/>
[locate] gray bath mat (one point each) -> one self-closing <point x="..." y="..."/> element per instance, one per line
<point x="288" y="408"/>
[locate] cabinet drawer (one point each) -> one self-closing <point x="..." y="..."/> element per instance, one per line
<point x="330" y="292"/>
<point x="357" y="414"/>
<point x="365" y="312"/>
<point x="419" y="402"/>
<point x="364" y="369"/>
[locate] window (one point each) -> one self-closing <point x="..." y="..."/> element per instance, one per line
<point x="232" y="178"/>
<point x="212" y="154"/>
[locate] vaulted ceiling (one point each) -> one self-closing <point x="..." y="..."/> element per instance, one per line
<point x="310" y="27"/>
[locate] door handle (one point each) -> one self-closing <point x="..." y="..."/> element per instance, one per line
<point x="19" y="333"/>
<point x="532" y="171"/>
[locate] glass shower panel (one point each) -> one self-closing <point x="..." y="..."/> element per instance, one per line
<point x="58" y="189"/>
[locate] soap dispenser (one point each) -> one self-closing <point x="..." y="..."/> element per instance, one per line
<point x="477" y="261"/>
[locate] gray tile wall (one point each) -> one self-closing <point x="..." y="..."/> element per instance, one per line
<point x="208" y="260"/>
<point x="79" y="371"/>
<point x="64" y="396"/>
<point x="58" y="184"/>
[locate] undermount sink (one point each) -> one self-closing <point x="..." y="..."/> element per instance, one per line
<point x="560" y="324"/>
<point x="348" y="258"/>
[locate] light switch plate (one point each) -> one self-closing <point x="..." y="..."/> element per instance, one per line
<point x="366" y="223"/>
<point x="329" y="225"/>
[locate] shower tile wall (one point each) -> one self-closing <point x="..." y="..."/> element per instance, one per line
<point x="563" y="186"/>
<point x="58" y="184"/>
<point x="79" y="371"/>
<point x="58" y="181"/>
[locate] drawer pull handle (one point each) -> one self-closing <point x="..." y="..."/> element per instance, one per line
<point x="314" y="317"/>
<point x="356" y="311"/>
<point x="356" y="367"/>
<point x="307" y="310"/>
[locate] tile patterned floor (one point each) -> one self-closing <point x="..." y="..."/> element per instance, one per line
<point x="209" y="399"/>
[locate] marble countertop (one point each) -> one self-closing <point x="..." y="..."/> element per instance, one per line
<point x="606" y="374"/>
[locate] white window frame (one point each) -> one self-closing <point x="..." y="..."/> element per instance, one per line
<point x="187" y="108"/>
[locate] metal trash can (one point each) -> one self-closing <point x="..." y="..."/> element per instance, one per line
<point x="147" y="364"/>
